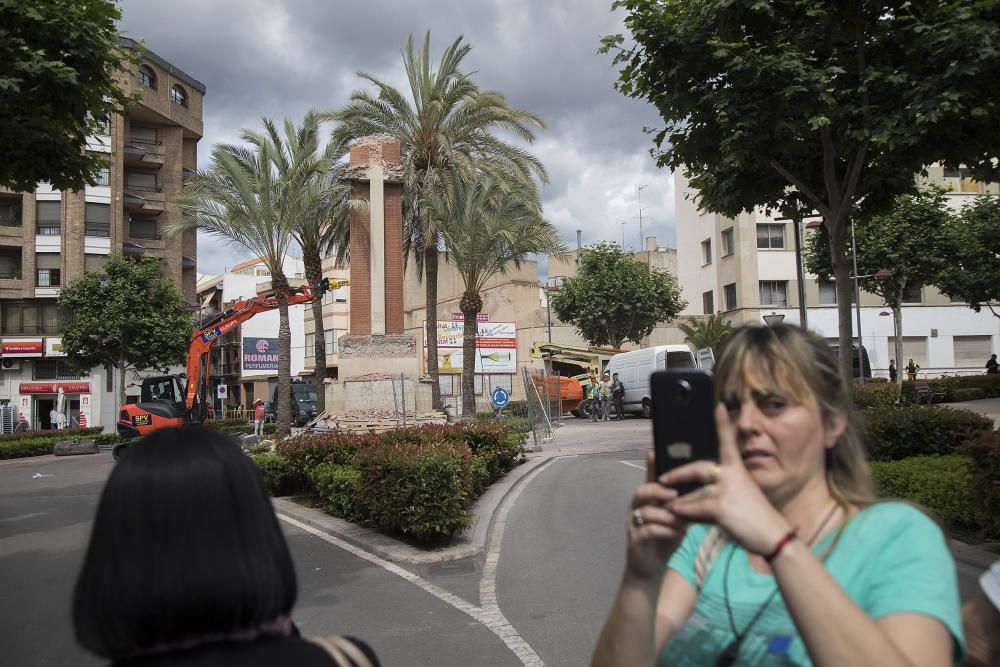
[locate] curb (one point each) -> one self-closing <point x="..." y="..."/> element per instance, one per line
<point x="469" y="543"/>
<point x="973" y="556"/>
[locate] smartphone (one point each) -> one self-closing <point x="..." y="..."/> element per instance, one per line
<point x="683" y="420"/>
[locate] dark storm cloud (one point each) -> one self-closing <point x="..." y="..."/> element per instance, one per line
<point x="279" y="59"/>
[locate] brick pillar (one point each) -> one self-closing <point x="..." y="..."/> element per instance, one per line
<point x="361" y="296"/>
<point x="394" y="257"/>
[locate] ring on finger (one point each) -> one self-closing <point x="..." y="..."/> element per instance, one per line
<point x="706" y="491"/>
<point x="714" y="473"/>
<point x="637" y="519"/>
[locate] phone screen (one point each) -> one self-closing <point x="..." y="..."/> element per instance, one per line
<point x="683" y="420"/>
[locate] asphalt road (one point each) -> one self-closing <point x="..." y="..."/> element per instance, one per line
<point x="558" y="561"/>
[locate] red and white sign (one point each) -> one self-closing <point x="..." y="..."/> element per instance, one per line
<point x="53" y="387"/>
<point x="21" y="347"/>
<point x="496" y="347"/>
<point x="460" y="317"/>
<point x="84" y="410"/>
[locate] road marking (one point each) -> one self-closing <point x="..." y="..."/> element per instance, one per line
<point x="488" y="613"/>
<point x="634" y="465"/>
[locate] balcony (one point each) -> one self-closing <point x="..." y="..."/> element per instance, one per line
<point x="10" y="273"/>
<point x="143" y="196"/>
<point x="144" y="152"/>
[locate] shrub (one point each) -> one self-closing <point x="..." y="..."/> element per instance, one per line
<point x="989" y="385"/>
<point x="942" y="484"/>
<point x="278" y="477"/>
<point x="65" y="434"/>
<point x="480" y="476"/>
<point x="501" y="448"/>
<point x="419" y="490"/>
<point x="984" y="450"/>
<point x="875" y="394"/>
<point x="519" y="425"/>
<point x="107" y="439"/>
<point x="304" y="452"/>
<point x="912" y="430"/>
<point x="337" y="488"/>
<point x="967" y="394"/>
<point x="24" y="447"/>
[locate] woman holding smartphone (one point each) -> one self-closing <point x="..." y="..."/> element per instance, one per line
<point x="782" y="555"/>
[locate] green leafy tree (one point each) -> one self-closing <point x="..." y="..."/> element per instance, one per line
<point x="832" y="104"/>
<point x="446" y="124"/>
<point x="974" y="271"/>
<point x="615" y="298"/>
<point x="254" y="197"/>
<point x="60" y="69"/>
<point x="914" y="240"/>
<point x="125" y="316"/>
<point x="711" y="331"/>
<point x="488" y="225"/>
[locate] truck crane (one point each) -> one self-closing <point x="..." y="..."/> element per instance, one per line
<point x="173" y="400"/>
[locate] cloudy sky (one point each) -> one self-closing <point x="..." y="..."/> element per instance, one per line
<point x="279" y="58"/>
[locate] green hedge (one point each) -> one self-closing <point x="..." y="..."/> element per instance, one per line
<point x="19" y="449"/>
<point x="984" y="450"/>
<point x="238" y="426"/>
<point x="942" y="484"/>
<point x="276" y="474"/>
<point x="107" y="439"/>
<point x="988" y="385"/>
<point x="967" y="394"/>
<point x="900" y="432"/>
<point x="875" y="395"/>
<point x="65" y="434"/>
<point x="337" y="488"/>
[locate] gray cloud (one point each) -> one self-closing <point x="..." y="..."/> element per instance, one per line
<point x="280" y="58"/>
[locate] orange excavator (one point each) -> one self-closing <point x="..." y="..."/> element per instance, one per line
<point x="173" y="400"/>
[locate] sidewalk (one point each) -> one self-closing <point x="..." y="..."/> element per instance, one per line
<point x="986" y="406"/>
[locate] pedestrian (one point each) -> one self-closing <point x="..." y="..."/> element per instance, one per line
<point x="992" y="367"/>
<point x="259" y="415"/>
<point x="593" y="397"/>
<point x="53" y="418"/>
<point x="618" y="395"/>
<point x="892" y="371"/>
<point x="187" y="564"/>
<point x="783" y="555"/>
<point x="981" y="621"/>
<point x="911" y="370"/>
<point x="605" y="391"/>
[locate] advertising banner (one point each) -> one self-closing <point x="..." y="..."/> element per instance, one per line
<point x="54" y="387"/>
<point x="21" y="347"/>
<point x="260" y="354"/>
<point x="53" y="347"/>
<point x="84" y="410"/>
<point x="496" y="347"/>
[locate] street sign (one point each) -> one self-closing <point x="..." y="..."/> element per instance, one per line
<point x="221" y="390"/>
<point x="500" y="397"/>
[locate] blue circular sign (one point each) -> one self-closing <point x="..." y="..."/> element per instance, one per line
<point x="500" y="397"/>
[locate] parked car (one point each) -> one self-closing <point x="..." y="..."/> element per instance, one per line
<point x="634" y="369"/>
<point x="303" y="403"/>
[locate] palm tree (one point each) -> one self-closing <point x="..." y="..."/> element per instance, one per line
<point x="711" y="331"/>
<point x="253" y="196"/>
<point x="447" y="127"/>
<point x="488" y="225"/>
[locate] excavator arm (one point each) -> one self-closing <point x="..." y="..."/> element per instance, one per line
<point x="205" y="337"/>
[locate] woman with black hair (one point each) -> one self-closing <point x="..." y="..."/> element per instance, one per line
<point x="187" y="564"/>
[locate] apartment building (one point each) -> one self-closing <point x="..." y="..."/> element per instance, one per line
<point x="49" y="238"/>
<point x="745" y="268"/>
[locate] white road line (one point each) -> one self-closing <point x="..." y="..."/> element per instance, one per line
<point x="488" y="614"/>
<point x="634" y="465"/>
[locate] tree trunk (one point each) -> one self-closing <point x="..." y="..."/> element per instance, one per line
<point x="430" y="285"/>
<point x="845" y="291"/>
<point x="472" y="303"/>
<point x="314" y="274"/>
<point x="121" y="382"/>
<point x="284" y="407"/>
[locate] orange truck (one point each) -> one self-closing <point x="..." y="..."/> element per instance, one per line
<point x="571" y="366"/>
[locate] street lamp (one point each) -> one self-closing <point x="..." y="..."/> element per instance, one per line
<point x="638" y="191"/>
<point x="624" y="222"/>
<point x="549" y="289"/>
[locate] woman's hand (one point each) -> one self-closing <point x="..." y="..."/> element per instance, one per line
<point x="654" y="532"/>
<point x="729" y="497"/>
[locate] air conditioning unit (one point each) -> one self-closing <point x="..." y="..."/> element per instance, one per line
<point x="11" y="364"/>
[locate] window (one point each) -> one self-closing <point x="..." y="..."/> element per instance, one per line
<point x="98" y="222"/>
<point x="10" y="212"/>
<point x="94" y="262"/>
<point x="47" y="213"/>
<point x="143" y="228"/>
<point x="912" y="294"/>
<point x="147" y="76"/>
<point x="708" y="302"/>
<point x="141" y="181"/>
<point x="773" y="293"/>
<point x="52" y="369"/>
<point x="770" y="237"/>
<point x="959" y="180"/>
<point x="331" y="336"/>
<point x="178" y="96"/>
<point x="914" y="347"/>
<point x="103" y="177"/>
<point x="447" y="383"/>
<point x="706" y="251"/>
<point x="730" y="294"/>
<point x="972" y="351"/>
<point x="262" y="273"/>
<point x="728" y="242"/>
<point x="39" y="317"/>
<point x="139" y="134"/>
<point x="47" y="269"/>
<point x="827" y="292"/>
<point x="310" y="345"/>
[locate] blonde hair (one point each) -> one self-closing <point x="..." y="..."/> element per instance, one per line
<point x="800" y="367"/>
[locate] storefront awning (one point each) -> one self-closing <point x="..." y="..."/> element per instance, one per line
<point x="53" y="387"/>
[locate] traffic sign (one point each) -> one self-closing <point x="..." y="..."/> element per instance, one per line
<point x="221" y="390"/>
<point x="500" y="397"/>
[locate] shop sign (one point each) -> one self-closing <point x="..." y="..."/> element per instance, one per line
<point x="496" y="347"/>
<point x="53" y="347"/>
<point x="53" y="387"/>
<point x="260" y="354"/>
<point x="480" y="317"/>
<point x="21" y="347"/>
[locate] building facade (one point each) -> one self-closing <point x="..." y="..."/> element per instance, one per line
<point x="745" y="268"/>
<point x="49" y="238"/>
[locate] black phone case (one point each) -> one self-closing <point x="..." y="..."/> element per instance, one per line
<point x="683" y="420"/>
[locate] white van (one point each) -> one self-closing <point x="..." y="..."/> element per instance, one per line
<point x="634" y="369"/>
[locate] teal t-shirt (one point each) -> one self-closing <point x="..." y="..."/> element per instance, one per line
<point x="891" y="558"/>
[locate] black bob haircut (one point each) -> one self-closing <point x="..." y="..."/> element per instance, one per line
<point x="185" y="545"/>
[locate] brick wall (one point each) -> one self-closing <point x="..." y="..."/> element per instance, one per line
<point x="393" y="254"/>
<point x="361" y="296"/>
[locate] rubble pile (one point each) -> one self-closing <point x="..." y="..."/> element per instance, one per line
<point x="376" y="420"/>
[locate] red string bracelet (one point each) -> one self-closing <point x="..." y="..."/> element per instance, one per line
<point x="789" y="536"/>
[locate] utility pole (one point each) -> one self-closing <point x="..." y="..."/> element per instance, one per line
<point x="624" y="222"/>
<point x="642" y="241"/>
